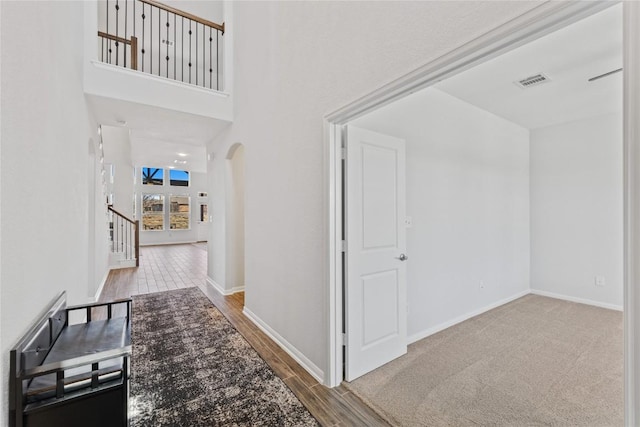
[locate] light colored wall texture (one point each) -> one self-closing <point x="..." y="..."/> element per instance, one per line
<point x="468" y="196"/>
<point x="235" y="220"/>
<point x="45" y="131"/>
<point x="576" y="210"/>
<point x="295" y="62"/>
<point x="117" y="152"/>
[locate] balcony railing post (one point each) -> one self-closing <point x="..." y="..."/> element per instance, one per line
<point x="134" y="53"/>
<point x="137" y="243"/>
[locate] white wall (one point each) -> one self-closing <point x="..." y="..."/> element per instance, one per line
<point x="3" y="393"/>
<point x="468" y="196"/>
<point x="235" y="220"/>
<point x="117" y="152"/>
<point x="216" y="260"/>
<point x="198" y="183"/>
<point x="43" y="168"/>
<point x="576" y="210"/>
<point x="98" y="230"/>
<point x="294" y="63"/>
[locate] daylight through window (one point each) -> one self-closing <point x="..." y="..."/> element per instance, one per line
<point x="178" y="178"/>
<point x="152" y="212"/>
<point x="180" y="212"/>
<point x="152" y="176"/>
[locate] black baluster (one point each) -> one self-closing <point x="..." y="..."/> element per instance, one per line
<point x="151" y="39"/>
<point x="159" y="49"/>
<point x="143" y="19"/>
<point x="217" y="62"/>
<point x="189" y="50"/>
<point x="167" y="45"/>
<point x="175" y="40"/>
<point x="117" y="21"/>
<point x="204" y="57"/>
<point x="108" y="41"/>
<point x="182" y="42"/>
<point x="196" y="54"/>
<point x="210" y="60"/>
<point x="124" y="48"/>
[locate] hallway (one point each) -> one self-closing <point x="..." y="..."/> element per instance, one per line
<point x="162" y="268"/>
<point x="169" y="267"/>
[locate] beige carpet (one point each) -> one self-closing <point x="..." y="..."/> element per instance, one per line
<point x="534" y="361"/>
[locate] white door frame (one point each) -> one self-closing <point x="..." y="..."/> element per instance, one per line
<point x="534" y="24"/>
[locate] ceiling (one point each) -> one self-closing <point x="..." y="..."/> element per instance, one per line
<point x="158" y="134"/>
<point x="569" y="57"/>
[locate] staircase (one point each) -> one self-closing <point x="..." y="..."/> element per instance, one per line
<point x="124" y="236"/>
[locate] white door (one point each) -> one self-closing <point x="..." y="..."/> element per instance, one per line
<point x="375" y="299"/>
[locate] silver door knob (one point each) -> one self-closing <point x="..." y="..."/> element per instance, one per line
<point x="403" y="257"/>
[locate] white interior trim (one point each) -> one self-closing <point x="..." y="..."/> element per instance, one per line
<point x="532" y="25"/>
<point x="297" y="355"/>
<point x="96" y="297"/>
<point x="215" y="285"/>
<point x="185" y="242"/>
<point x="631" y="90"/>
<point x="578" y="300"/>
<point x="335" y="267"/>
<point x="542" y="20"/>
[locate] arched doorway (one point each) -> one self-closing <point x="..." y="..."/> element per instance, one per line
<point x="235" y="201"/>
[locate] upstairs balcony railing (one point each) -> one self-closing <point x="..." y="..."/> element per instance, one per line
<point x="154" y="38"/>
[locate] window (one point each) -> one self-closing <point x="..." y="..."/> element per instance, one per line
<point x="179" y="213"/>
<point x="178" y="178"/>
<point x="152" y="212"/>
<point x="152" y="176"/>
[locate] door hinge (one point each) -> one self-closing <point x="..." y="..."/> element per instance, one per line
<point x="344" y="339"/>
<point x="344" y="246"/>
<point x="343" y="153"/>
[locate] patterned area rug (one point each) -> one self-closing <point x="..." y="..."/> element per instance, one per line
<point x="190" y="367"/>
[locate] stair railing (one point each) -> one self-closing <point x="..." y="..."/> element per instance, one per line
<point x="106" y="50"/>
<point x="161" y="40"/>
<point x="125" y="236"/>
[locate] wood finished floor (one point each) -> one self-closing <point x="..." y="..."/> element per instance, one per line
<point x="169" y="267"/>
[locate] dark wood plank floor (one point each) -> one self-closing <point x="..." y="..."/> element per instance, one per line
<point x="178" y="266"/>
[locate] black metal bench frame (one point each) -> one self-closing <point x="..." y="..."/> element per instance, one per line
<point x="95" y="398"/>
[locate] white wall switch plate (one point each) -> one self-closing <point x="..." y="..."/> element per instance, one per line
<point x="408" y="222"/>
<point x="600" y="281"/>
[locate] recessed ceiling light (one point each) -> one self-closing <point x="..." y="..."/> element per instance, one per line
<point x="172" y="167"/>
<point x="182" y="154"/>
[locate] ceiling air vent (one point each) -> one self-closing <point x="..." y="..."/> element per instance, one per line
<point x="536" y="80"/>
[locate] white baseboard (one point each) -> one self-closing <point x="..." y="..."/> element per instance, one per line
<point x="306" y="364"/>
<point x="185" y="242"/>
<point x="215" y="285"/>
<point x="96" y="297"/>
<point x="442" y="326"/>
<point x="575" y="299"/>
